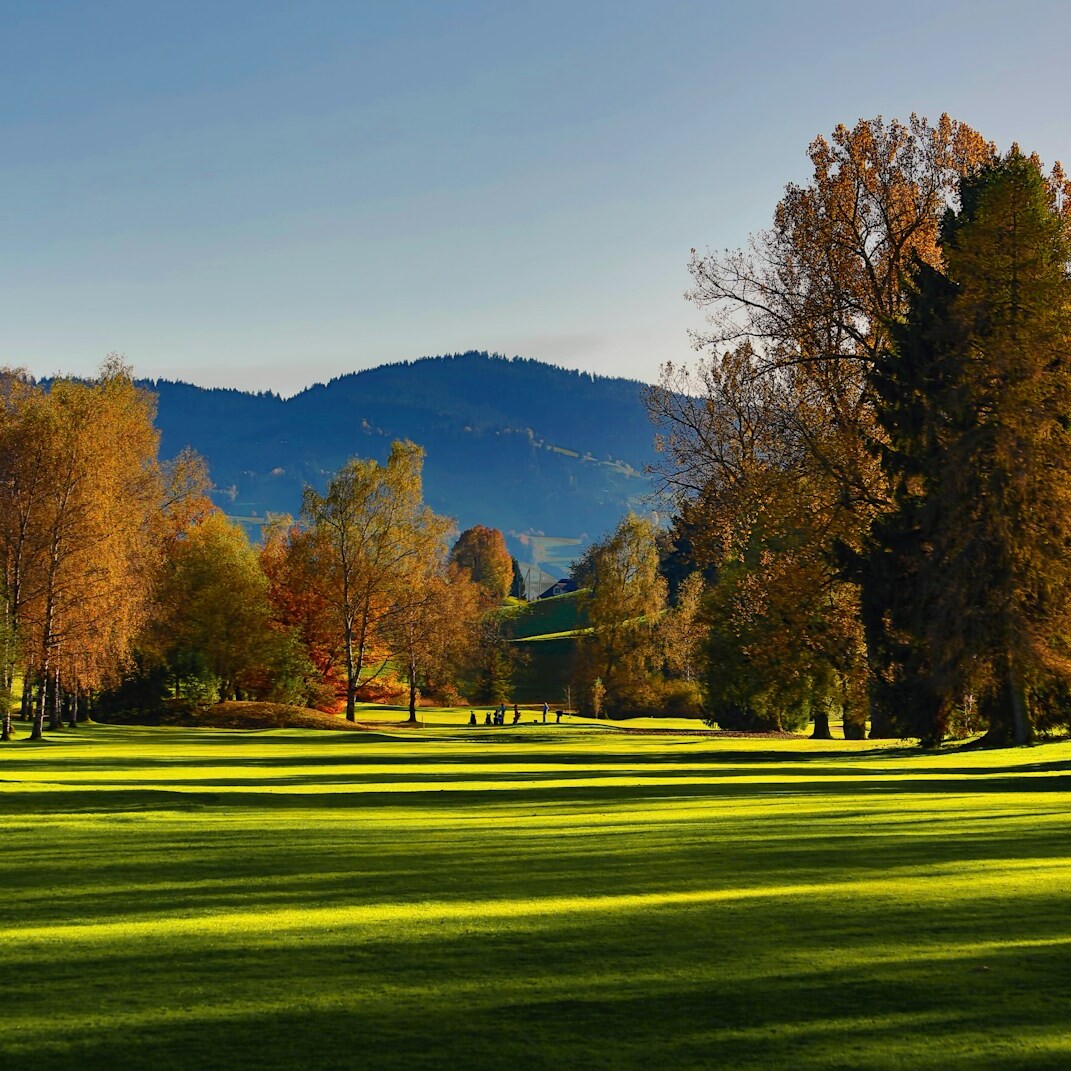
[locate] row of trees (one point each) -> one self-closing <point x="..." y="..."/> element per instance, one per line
<point x="85" y="510"/>
<point x="635" y="653"/>
<point x="360" y="598"/>
<point x="121" y="579"/>
<point x="871" y="465"/>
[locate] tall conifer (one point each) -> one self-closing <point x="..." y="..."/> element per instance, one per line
<point x="976" y="400"/>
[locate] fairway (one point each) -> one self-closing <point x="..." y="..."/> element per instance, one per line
<point x="538" y="897"/>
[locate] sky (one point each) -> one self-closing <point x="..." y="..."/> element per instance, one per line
<point x="264" y="195"/>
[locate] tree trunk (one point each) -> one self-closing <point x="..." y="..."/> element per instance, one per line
<point x="353" y="670"/>
<point x="39" y="708"/>
<point x="55" y="716"/>
<point x="73" y="709"/>
<point x="1022" y="731"/>
<point x="6" y="727"/>
<point x="881" y="725"/>
<point x="854" y="725"/>
<point x="821" y="724"/>
<point x="412" y="690"/>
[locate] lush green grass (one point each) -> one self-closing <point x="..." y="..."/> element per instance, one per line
<point x="538" y="898"/>
<point x="544" y="617"/>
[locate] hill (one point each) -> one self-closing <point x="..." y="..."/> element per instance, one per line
<point x="545" y="634"/>
<point x="552" y="457"/>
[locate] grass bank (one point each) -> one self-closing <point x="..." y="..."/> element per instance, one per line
<point x="536" y="898"/>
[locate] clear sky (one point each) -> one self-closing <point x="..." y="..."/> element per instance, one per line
<point x="264" y="194"/>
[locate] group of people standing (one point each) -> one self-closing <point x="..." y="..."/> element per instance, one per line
<point x="498" y="715"/>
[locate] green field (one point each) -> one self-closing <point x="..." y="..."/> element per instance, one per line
<point x="556" y="897"/>
<point x="544" y="617"/>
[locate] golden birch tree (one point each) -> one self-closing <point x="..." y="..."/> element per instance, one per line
<point x="374" y="526"/>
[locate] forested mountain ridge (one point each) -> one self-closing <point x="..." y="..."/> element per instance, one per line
<point x="517" y="444"/>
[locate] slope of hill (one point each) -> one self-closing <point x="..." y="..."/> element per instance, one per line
<point x="544" y="633"/>
<point x="550" y="456"/>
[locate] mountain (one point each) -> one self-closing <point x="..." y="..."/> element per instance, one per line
<point x="552" y="457"/>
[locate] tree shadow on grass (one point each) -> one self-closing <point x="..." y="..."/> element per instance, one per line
<point x="127" y="795"/>
<point x="621" y="992"/>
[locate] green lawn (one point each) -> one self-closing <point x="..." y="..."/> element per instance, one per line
<point x="559" y="897"/>
<point x="544" y="617"/>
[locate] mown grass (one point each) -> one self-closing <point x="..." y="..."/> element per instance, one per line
<point x="533" y="898"/>
<point x="543" y="617"/>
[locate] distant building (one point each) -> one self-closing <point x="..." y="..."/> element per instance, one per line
<point x="559" y="587"/>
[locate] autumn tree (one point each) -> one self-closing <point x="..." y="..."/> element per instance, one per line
<point x="80" y="485"/>
<point x="781" y="650"/>
<point x="777" y="425"/>
<point x="783" y="625"/>
<point x="374" y="526"/>
<point x="21" y="481"/>
<point x="683" y="629"/>
<point x="212" y="624"/>
<point x="621" y="599"/>
<point x="816" y="294"/>
<point x="9" y="654"/>
<point x="482" y="551"/>
<point x="432" y="628"/>
<point x="293" y="558"/>
<point x="975" y="404"/>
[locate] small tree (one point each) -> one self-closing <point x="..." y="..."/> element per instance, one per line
<point x="212" y="608"/>
<point x="432" y="625"/>
<point x="598" y="694"/>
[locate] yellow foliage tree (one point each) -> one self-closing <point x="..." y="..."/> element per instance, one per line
<point x="374" y="528"/>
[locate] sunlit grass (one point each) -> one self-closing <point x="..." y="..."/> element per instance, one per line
<point x="532" y="897"/>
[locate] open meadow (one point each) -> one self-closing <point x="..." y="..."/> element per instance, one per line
<point x="534" y="897"/>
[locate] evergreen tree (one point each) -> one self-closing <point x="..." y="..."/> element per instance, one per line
<point x="976" y="404"/>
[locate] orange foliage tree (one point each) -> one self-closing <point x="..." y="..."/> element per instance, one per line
<point x="770" y="443"/>
<point x="80" y="486"/>
<point x="482" y="551"/>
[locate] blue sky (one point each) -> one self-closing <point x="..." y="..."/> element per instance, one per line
<point x="264" y="195"/>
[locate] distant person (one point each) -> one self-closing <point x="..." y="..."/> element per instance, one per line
<point x="546" y="711"/>
<point x="487" y="720"/>
<point x="472" y="717"/>
<point x="502" y="714"/>
<point x="557" y="717"/>
<point x="516" y="714"/>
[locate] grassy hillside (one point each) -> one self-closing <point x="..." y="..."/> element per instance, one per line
<point x="546" y="664"/>
<point x="536" y="898"/>
<point x="544" y="617"/>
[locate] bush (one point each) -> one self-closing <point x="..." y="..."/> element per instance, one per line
<point x="659" y="698"/>
<point x="758" y="717"/>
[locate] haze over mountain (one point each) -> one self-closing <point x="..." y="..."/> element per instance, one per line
<point x="550" y="456"/>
